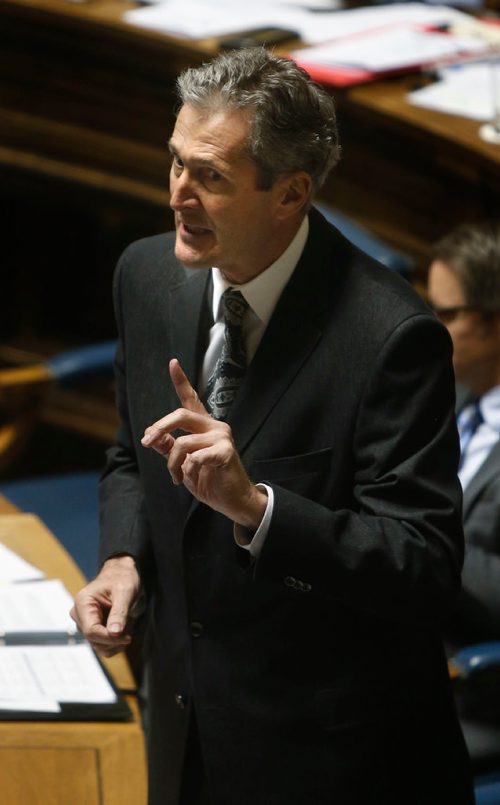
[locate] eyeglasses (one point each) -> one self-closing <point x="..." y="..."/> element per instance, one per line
<point x="449" y="314"/>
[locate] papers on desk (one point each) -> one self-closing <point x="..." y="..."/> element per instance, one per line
<point x="13" y="568"/>
<point x="389" y="49"/>
<point x="37" y="607"/>
<point x="466" y="90"/>
<point x="47" y="669"/>
<point x="198" y="19"/>
<point x="42" y="678"/>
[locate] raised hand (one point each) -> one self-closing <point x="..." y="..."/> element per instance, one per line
<point x="205" y="458"/>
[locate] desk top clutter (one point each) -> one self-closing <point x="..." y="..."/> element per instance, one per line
<point x="47" y="670"/>
<point x="342" y="46"/>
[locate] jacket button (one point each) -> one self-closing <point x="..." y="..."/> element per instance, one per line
<point x="290" y="581"/>
<point x="196" y="629"/>
<point x="180" y="700"/>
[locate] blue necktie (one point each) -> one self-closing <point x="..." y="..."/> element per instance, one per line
<point x="468" y="421"/>
<point x="230" y="368"/>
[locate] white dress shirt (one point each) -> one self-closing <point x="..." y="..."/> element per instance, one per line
<point x="485" y="437"/>
<point x="262" y="294"/>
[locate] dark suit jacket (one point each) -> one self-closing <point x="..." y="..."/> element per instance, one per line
<point x="316" y="673"/>
<point x="477" y="616"/>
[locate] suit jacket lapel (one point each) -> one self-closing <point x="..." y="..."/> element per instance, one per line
<point x="190" y="320"/>
<point x="294" y="330"/>
<point x="489" y="468"/>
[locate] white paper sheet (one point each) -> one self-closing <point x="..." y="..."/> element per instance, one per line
<point x="468" y="90"/>
<point x="37" y="606"/>
<point x="198" y="19"/>
<point x="45" y="674"/>
<point x="13" y="568"/>
<point x="391" y="49"/>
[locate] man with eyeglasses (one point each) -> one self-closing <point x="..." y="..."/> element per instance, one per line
<point x="464" y="290"/>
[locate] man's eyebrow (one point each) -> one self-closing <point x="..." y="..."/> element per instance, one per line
<point x="204" y="162"/>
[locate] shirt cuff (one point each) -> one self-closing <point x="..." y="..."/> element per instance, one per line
<point x="243" y="536"/>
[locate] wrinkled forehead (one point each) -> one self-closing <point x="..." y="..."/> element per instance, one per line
<point x="223" y="131"/>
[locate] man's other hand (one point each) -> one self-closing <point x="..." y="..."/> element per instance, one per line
<point x="103" y="610"/>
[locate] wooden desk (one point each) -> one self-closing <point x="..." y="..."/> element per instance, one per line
<point x="408" y="173"/>
<point x="86" y="108"/>
<point x="85" y="763"/>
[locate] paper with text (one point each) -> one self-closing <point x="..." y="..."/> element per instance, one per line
<point x="37" y="606"/>
<point x="48" y="674"/>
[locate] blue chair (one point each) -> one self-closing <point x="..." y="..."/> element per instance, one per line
<point x="67" y="503"/>
<point x="368" y="242"/>
<point x="487" y="789"/>
<point x="475" y="671"/>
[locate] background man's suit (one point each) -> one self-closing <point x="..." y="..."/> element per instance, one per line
<point x="316" y="672"/>
<point x="478" y="609"/>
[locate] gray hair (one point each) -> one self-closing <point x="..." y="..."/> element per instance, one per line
<point x="472" y="253"/>
<point x="293" y="125"/>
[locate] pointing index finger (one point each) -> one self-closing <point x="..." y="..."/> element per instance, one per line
<point x="187" y="395"/>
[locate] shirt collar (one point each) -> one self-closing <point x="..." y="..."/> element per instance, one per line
<point x="263" y="291"/>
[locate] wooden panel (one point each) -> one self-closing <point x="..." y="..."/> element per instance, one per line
<point x="103" y="761"/>
<point x="39" y="776"/>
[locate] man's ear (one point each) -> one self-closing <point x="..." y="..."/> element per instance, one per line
<point x="293" y="193"/>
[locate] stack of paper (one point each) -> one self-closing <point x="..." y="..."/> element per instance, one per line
<point x="384" y="50"/>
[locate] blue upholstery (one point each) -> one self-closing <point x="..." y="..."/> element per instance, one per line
<point x="367" y="242"/>
<point x="74" y="365"/>
<point x="68" y="506"/>
<point x="487" y="789"/>
<point x="476" y="658"/>
<point x="68" y="503"/>
<point x="476" y="670"/>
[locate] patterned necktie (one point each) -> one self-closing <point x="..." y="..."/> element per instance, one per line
<point x="468" y="421"/>
<point x="226" y="378"/>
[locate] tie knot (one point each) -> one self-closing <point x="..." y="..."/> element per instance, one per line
<point x="234" y="306"/>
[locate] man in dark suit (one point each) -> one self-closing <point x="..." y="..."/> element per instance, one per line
<point x="464" y="287"/>
<point x="296" y="535"/>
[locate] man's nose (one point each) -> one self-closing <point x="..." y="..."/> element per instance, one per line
<point x="182" y="192"/>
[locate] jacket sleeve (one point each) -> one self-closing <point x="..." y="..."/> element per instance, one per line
<point x="123" y="520"/>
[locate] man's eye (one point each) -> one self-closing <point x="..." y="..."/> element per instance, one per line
<point x="177" y="162"/>
<point x="214" y="176"/>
